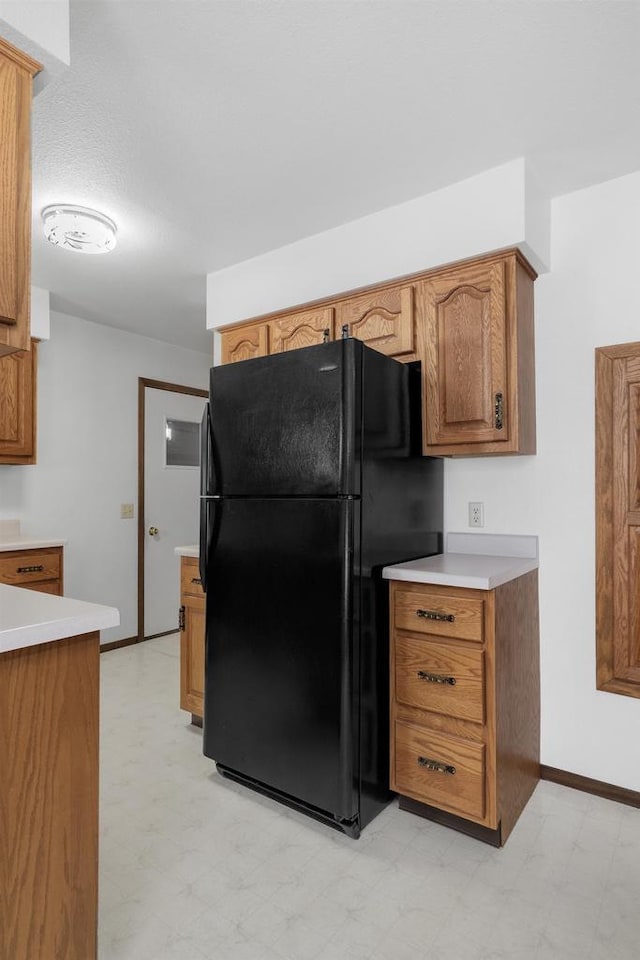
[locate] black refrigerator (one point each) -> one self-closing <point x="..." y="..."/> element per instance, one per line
<point x="312" y="481"/>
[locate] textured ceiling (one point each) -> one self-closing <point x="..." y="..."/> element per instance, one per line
<point x="213" y="130"/>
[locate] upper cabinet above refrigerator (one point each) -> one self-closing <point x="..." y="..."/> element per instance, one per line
<point x="471" y="326"/>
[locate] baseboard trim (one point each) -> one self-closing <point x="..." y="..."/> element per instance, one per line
<point x="129" y="641"/>
<point x="598" y="788"/>
<point x="116" y="644"/>
<point x="165" y="633"/>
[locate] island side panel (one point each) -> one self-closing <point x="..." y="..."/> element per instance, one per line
<point x="517" y="696"/>
<point x="49" y="800"/>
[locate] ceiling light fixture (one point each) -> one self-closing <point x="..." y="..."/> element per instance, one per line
<point x="78" y="228"/>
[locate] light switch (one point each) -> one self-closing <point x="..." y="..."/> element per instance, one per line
<point x="126" y="511"/>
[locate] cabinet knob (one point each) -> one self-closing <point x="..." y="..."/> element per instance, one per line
<point x="153" y="531"/>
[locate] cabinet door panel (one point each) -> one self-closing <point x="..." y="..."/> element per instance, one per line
<point x="465" y="368"/>
<point x="301" y="329"/>
<point x="420" y="756"/>
<point x="16" y="72"/>
<point x="245" y="343"/>
<point x="383" y="319"/>
<point x="440" y="677"/>
<point x="17" y="406"/>
<point x="192" y="656"/>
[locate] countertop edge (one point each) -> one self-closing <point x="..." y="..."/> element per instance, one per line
<point x="187" y="552"/>
<point x="26" y="543"/>
<point x="512" y="568"/>
<point x="41" y="625"/>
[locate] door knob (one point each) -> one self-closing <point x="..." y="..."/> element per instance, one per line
<point x="153" y="531"/>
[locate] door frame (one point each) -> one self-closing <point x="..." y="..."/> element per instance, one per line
<point x="143" y="385"/>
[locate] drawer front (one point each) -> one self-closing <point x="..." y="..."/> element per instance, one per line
<point x="47" y="586"/>
<point x="419" y="756"/>
<point x="427" y="611"/>
<point x="29" y="567"/>
<point x="190" y="582"/>
<point x="439" y="676"/>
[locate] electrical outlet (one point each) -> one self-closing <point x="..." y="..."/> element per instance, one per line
<point x="126" y="511"/>
<point x="476" y="514"/>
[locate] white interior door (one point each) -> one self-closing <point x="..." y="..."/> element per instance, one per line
<point x="172" y="489"/>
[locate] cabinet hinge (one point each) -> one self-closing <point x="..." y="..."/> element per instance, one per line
<point x="181" y="618"/>
<point x="499" y="411"/>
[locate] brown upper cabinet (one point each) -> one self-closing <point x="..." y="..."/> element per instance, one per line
<point x="478" y="372"/>
<point x="245" y="343"/>
<point x="16" y="74"/>
<point x="18" y="380"/>
<point x="471" y="326"/>
<point x="302" y="329"/>
<point x="383" y="319"/>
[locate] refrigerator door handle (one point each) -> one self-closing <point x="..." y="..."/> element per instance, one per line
<point x="206" y="463"/>
<point x="204" y="542"/>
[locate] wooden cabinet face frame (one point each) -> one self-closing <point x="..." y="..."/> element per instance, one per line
<point x="618" y="519"/>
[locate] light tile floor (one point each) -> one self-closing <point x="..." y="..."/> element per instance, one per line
<point x="193" y="866"/>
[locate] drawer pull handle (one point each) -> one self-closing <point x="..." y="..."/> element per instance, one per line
<point x="436" y="765"/>
<point x="435" y="615"/>
<point x="196" y="580"/>
<point x="436" y="678"/>
<point x="36" y="569"/>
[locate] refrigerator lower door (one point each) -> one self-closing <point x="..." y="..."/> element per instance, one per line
<point x="279" y="690"/>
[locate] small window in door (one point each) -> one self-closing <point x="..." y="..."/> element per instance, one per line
<point x="182" y="443"/>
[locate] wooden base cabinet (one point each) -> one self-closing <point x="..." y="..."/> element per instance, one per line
<point x="49" y="800"/>
<point x="465" y="703"/>
<point x="34" y="569"/>
<point x="192" y="634"/>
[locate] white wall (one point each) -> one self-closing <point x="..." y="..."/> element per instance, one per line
<point x="590" y="298"/>
<point x="41" y="29"/>
<point x="87" y="454"/>
<point x="502" y="207"/>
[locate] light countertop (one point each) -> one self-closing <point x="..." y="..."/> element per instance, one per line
<point x="478" y="561"/>
<point x="28" y="618"/>
<point x="187" y="551"/>
<point x="29" y="543"/>
<point x="461" y="570"/>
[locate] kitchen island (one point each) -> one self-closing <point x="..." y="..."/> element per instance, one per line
<point x="49" y="689"/>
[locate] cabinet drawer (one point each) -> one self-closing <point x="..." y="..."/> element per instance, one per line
<point x="190" y="583"/>
<point x="47" y="586"/>
<point x="29" y="567"/>
<point x="426" y="611"/>
<point x="439" y="676"/>
<point x="419" y="756"/>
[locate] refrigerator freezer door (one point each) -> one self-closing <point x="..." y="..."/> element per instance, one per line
<point x="284" y="425"/>
<point x="279" y="697"/>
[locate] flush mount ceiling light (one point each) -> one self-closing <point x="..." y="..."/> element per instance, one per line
<point x="78" y="228"/>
